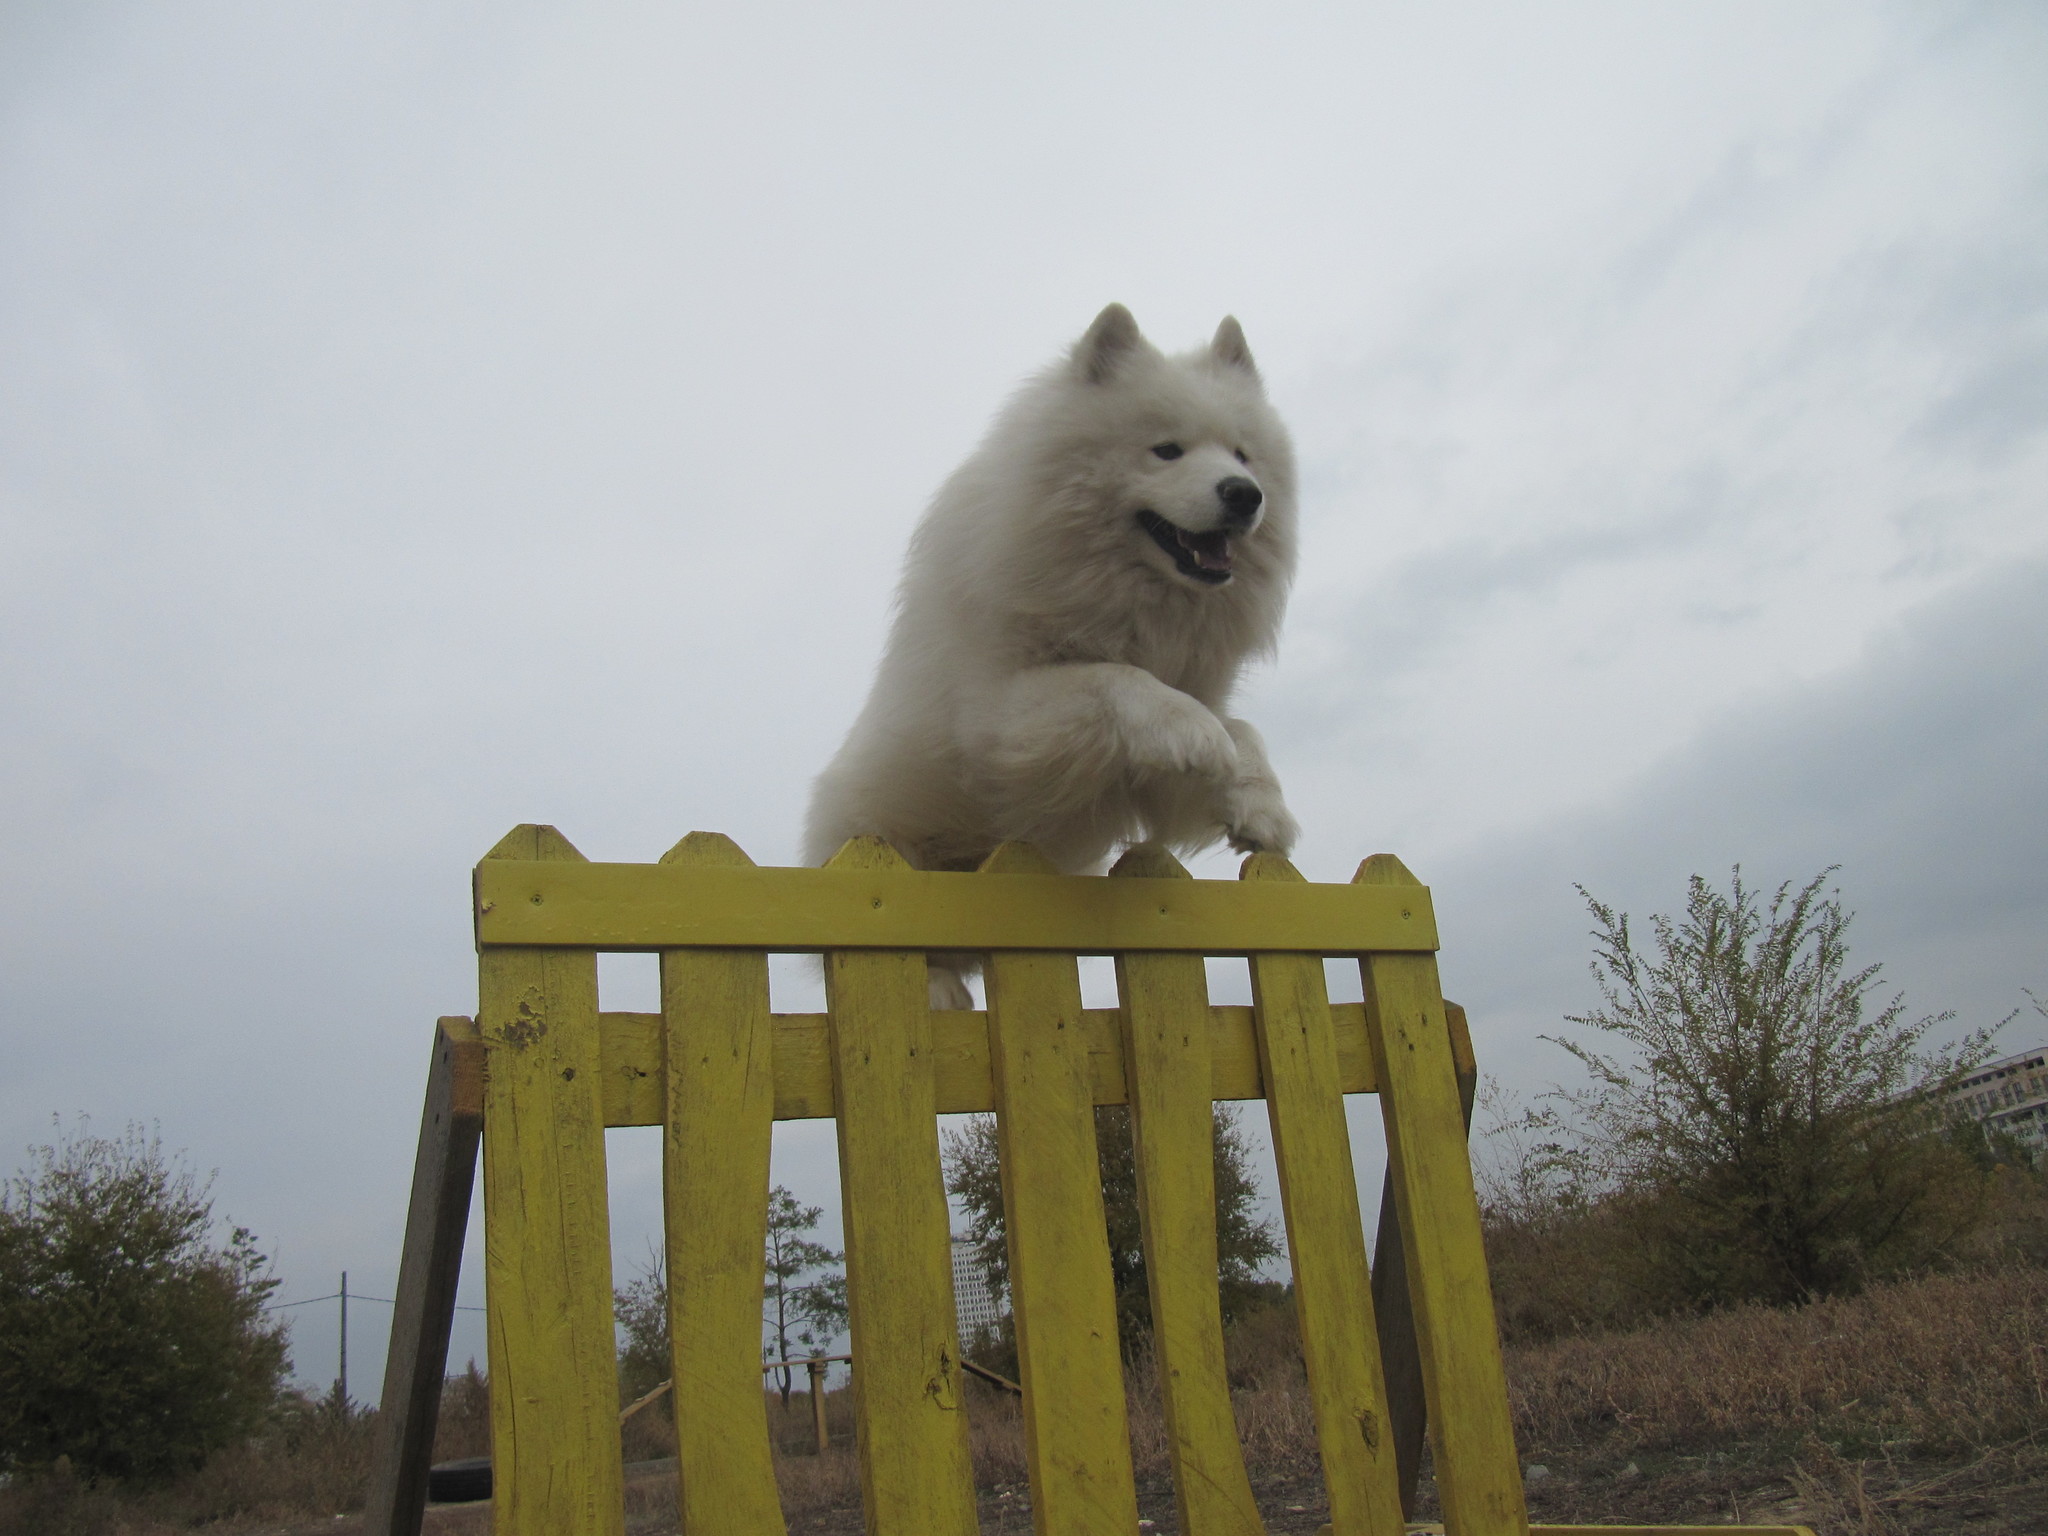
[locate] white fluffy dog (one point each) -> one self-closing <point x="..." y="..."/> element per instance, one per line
<point x="1075" y="610"/>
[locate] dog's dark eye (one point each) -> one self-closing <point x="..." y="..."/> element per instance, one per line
<point x="1242" y="456"/>
<point x="1167" y="450"/>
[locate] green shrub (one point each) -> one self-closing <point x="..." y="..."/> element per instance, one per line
<point x="1770" y="1131"/>
<point x="131" y="1340"/>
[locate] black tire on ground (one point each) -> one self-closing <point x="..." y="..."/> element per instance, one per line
<point x="459" y="1482"/>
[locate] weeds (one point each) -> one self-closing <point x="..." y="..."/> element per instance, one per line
<point x="1896" y="1410"/>
<point x="311" y="1460"/>
<point x="1933" y="1367"/>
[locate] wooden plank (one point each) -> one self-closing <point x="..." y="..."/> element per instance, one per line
<point x="720" y="1080"/>
<point x="960" y="1061"/>
<point x="843" y="906"/>
<point x="1325" y="1234"/>
<point x="1394" y="1312"/>
<point x="443" y="1175"/>
<point x="1076" y="1435"/>
<point x="548" y="1250"/>
<point x="1166" y="1063"/>
<point x="1478" y="1475"/>
<point x="915" y="1472"/>
<point x="1634" y="1530"/>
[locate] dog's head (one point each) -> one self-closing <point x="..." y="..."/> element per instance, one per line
<point x="1186" y="456"/>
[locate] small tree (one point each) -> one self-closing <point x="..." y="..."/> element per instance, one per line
<point x="806" y="1312"/>
<point x="1243" y="1244"/>
<point x="796" y="1310"/>
<point x="131" y="1339"/>
<point x="641" y="1311"/>
<point x="1770" y="1136"/>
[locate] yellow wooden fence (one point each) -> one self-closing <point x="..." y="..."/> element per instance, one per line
<point x="543" y="1071"/>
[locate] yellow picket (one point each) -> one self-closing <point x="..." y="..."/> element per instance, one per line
<point x="915" y="1472"/>
<point x="1165" y="1002"/>
<point x="554" y="1372"/>
<point x="1325" y="1234"/>
<point x="719" y="1117"/>
<point x="1076" y="1435"/>
<point x="1478" y="1475"/>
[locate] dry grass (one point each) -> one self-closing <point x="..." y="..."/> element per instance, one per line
<point x="312" y="1461"/>
<point x="1918" y="1406"/>
<point x="1943" y="1366"/>
<point x="1878" y="1414"/>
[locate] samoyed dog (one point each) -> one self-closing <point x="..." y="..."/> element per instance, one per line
<point x="1074" y="612"/>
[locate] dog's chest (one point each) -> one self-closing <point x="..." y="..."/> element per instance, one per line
<point x="1182" y="652"/>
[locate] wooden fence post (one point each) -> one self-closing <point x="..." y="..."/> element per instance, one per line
<point x="443" y="1176"/>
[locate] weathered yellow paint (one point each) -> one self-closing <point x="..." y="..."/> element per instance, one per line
<point x="1478" y="1474"/>
<point x="960" y="1061"/>
<point x="665" y="906"/>
<point x="1325" y="1234"/>
<point x="1165" y="1007"/>
<point x="1631" y="1530"/>
<point x="915" y="1473"/>
<point x="716" y="1068"/>
<point x="547" y="1250"/>
<point x="720" y="1091"/>
<point x="1076" y="1436"/>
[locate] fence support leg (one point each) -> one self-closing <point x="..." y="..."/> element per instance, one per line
<point x="817" y="1370"/>
<point x="1400" y="1356"/>
<point x="443" y="1175"/>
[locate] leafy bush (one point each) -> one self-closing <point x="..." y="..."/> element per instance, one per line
<point x="131" y="1340"/>
<point x="1766" y="1133"/>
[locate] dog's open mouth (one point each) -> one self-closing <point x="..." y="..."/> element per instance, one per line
<point x="1203" y="556"/>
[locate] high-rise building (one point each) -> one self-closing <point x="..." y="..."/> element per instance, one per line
<point x="2010" y="1095"/>
<point x="974" y="1302"/>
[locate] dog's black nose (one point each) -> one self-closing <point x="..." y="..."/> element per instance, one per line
<point x="1241" y="499"/>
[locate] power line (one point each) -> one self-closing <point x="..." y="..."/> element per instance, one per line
<point x="279" y="1306"/>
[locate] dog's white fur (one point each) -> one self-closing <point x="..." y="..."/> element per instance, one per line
<point x="1055" y="674"/>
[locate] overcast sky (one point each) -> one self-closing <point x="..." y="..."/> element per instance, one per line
<point x="415" y="420"/>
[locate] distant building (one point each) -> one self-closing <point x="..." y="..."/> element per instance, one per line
<point x="973" y="1301"/>
<point x="2010" y="1096"/>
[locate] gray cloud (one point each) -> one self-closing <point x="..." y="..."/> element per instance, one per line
<point x="1921" y="771"/>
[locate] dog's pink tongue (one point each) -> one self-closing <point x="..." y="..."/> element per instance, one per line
<point x="1211" y="550"/>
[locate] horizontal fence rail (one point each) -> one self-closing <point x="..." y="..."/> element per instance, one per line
<point x="559" y="903"/>
<point x="630" y="1047"/>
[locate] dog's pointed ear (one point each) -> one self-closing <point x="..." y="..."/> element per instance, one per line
<point x="1112" y="338"/>
<point x="1230" y="347"/>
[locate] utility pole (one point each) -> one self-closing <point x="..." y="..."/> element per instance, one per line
<point x="341" y="1387"/>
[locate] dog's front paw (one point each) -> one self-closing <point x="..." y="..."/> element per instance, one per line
<point x="946" y="989"/>
<point x="1178" y="735"/>
<point x="1257" y="820"/>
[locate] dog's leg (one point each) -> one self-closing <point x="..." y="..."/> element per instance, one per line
<point x="946" y="982"/>
<point x="1053" y="741"/>
<point x="1254" y="814"/>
